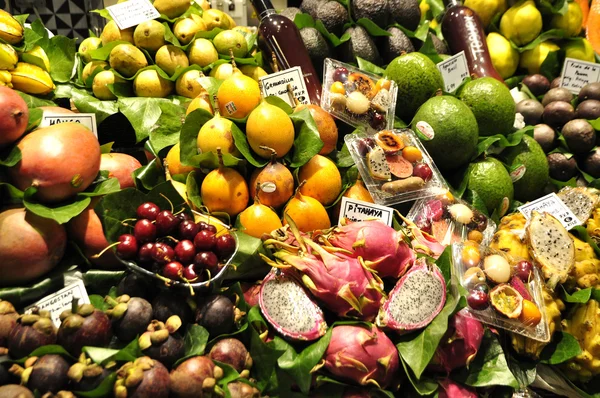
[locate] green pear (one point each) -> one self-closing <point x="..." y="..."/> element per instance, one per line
<point x="87" y="45"/>
<point x="231" y="40"/>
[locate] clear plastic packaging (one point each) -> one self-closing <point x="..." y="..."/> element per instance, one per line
<point x="395" y="166"/>
<point x="503" y="281"/>
<point x="358" y="98"/>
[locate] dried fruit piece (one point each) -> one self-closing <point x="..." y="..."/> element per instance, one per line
<point x="389" y="142"/>
<point x="530" y="315"/>
<point x="378" y="165"/>
<point x="506" y="300"/>
<point x="412" y="154"/>
<point x="357" y="103"/>
<point x="497" y="268"/>
<point x="399" y="166"/>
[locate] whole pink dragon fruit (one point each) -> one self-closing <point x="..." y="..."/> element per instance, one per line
<point x="416" y="299"/>
<point x="363" y="355"/>
<point x="451" y="389"/>
<point x="341" y="282"/>
<point x="289" y="309"/>
<point x="460" y="343"/>
<point x="382" y="247"/>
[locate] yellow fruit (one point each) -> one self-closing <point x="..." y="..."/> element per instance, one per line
<point x="148" y="83"/>
<point x="5" y="78"/>
<point x="202" y="52"/>
<point x="584" y="325"/>
<point x="521" y="23"/>
<point x="37" y="56"/>
<point x="8" y="56"/>
<point x="255" y="72"/>
<point x="579" y="49"/>
<point x="530" y="315"/>
<point x="510" y="236"/>
<point x="532" y="59"/>
<point x="269" y="126"/>
<point x="238" y="96"/>
<point x="224" y="71"/>
<point x="470" y="255"/>
<point x="307" y="213"/>
<point x="87" y="45"/>
<point x="571" y="22"/>
<point x="486" y="9"/>
<point x="188" y="84"/>
<point x="185" y="28"/>
<point x="173" y="161"/>
<point x="91" y="67"/>
<point x="215" y="134"/>
<point x="224" y="190"/>
<point x="11" y="30"/>
<point x="111" y="32"/>
<point x="504" y="57"/>
<point x="586" y="272"/>
<point x="31" y="79"/>
<point x="323" y="180"/>
<point x="149" y="35"/>
<point x="200" y="102"/>
<point x="259" y="219"/>
<point x="100" y="84"/>
<point x="326" y="126"/>
<point x="275" y="183"/>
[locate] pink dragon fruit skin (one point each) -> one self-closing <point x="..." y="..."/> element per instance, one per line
<point x="363" y="355"/>
<point x="251" y="292"/>
<point x="289" y="309"/>
<point x="460" y="343"/>
<point x="381" y="246"/>
<point x="451" y="389"/>
<point x="416" y="299"/>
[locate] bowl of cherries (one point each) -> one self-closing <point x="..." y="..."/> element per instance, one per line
<point x="175" y="250"/>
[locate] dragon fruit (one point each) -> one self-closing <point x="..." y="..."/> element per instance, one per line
<point x="580" y="200"/>
<point x="378" y="165"/>
<point x="451" y="389"/>
<point x="382" y="247"/>
<point x="459" y="345"/>
<point x="421" y="241"/>
<point x="363" y="355"/>
<point x="251" y="292"/>
<point x="288" y="308"/>
<point x="417" y="298"/>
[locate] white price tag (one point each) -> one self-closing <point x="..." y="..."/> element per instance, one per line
<point x="87" y="119"/>
<point x="57" y="302"/>
<point x="576" y="74"/>
<point x="551" y="204"/>
<point x="357" y="210"/>
<point x="132" y="12"/>
<point x="454" y="70"/>
<point x="276" y="84"/>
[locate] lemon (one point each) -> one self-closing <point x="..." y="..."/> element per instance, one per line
<point x="580" y="49"/>
<point x="532" y="59"/>
<point x="504" y="57"/>
<point x="521" y="23"/>
<point x="486" y="9"/>
<point x="571" y="22"/>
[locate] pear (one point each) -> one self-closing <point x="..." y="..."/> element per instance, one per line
<point x="87" y="45"/>
<point x="111" y="32"/>
<point x="149" y="35"/>
<point x="202" y="52"/>
<point x="127" y="59"/>
<point x="224" y="71"/>
<point x="169" y="58"/>
<point x="186" y="28"/>
<point x="231" y="40"/>
<point x="91" y="67"/>
<point x="149" y="83"/>
<point x="215" y="19"/>
<point x="172" y="8"/>
<point x="188" y="84"/>
<point x="101" y="82"/>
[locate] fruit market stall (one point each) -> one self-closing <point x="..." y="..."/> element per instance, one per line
<point x="354" y="199"/>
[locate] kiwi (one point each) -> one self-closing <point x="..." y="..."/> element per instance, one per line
<point x="561" y="167"/>
<point x="537" y="84"/>
<point x="590" y="91"/>
<point x="591" y="163"/>
<point x="545" y="136"/>
<point x="531" y="110"/>
<point x="557" y="94"/>
<point x="580" y="136"/>
<point x="589" y="109"/>
<point x="558" y="113"/>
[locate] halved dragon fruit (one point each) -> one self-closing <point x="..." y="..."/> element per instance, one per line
<point x="363" y="355"/>
<point x="289" y="309"/>
<point x="417" y="298"/>
<point x="378" y="165"/>
<point x="580" y="200"/>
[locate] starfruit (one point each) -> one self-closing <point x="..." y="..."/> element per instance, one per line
<point x="5" y="78"/>
<point x="31" y="79"/>
<point x="37" y="56"/>
<point x="8" y="57"/>
<point x="11" y="30"/>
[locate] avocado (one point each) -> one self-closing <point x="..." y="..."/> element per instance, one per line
<point x="310" y="7"/>
<point x="405" y="12"/>
<point x="393" y="46"/>
<point x="290" y="13"/>
<point x="317" y="46"/>
<point x="333" y="15"/>
<point x="440" y="46"/>
<point x="375" y="10"/>
<point x="529" y="154"/>
<point x="359" y="45"/>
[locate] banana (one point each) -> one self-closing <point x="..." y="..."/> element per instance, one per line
<point x="8" y="57"/>
<point x="31" y="79"/>
<point x="5" y="78"/>
<point x="11" y="30"/>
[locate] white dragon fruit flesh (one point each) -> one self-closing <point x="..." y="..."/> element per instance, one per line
<point x="289" y="309"/>
<point x="363" y="355"/>
<point x="580" y="200"/>
<point x="416" y="299"/>
<point x="378" y="165"/>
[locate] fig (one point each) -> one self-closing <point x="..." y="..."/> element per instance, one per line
<point x="47" y="373"/>
<point x="130" y="316"/>
<point x="362" y="83"/>
<point x="31" y="332"/>
<point x="162" y="341"/>
<point x="135" y="285"/>
<point x="167" y="304"/>
<point x="120" y="166"/>
<point x="86" y="375"/>
<point x="506" y="300"/>
<point x="537" y="84"/>
<point x="558" y="113"/>
<point x="580" y="136"/>
<point x="216" y="314"/>
<point x="389" y="142"/>
<point x="589" y="109"/>
<point x="83" y="325"/>
<point x="239" y="389"/>
<point x="232" y="352"/>
<point x="143" y="378"/>
<point x="8" y="320"/>
<point x="14" y="116"/>
<point x="195" y="377"/>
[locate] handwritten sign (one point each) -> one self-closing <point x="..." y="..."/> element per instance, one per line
<point x="86" y="119"/>
<point x="454" y="70"/>
<point x="132" y="12"/>
<point x="576" y="74"/>
<point x="57" y="302"/>
<point x="551" y="204"/>
<point x="357" y="210"/>
<point x="276" y="84"/>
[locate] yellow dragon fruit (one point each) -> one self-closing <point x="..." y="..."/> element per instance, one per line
<point x="510" y="236"/>
<point x="593" y="225"/>
<point x="586" y="272"/>
<point x="584" y="325"/>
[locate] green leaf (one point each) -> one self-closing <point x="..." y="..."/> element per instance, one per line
<point x="103" y="390"/>
<point x="149" y="176"/>
<point x="547" y="35"/>
<point x="51" y="349"/>
<point x="33" y="35"/>
<point x="35" y="117"/>
<point x="444" y="263"/>
<point x="103" y="13"/>
<point x="10" y="156"/>
<point x="308" y="142"/>
<point x="9" y="194"/>
<point x="372" y="28"/>
<point x="241" y="143"/>
<point x="423" y="386"/>
<point x="303" y="21"/>
<point x="247" y="263"/>
<point x="367" y="66"/>
<point x="553" y="7"/>
<point x="342" y="158"/>
<point x="595" y="123"/>
<point x="562" y="348"/>
<point x="34" y="102"/>
<point x="165" y="131"/>
<point x="583" y="234"/>
<point x="500" y="141"/>
<point x="332" y="38"/>
<point x="61" y="53"/>
<point x="106" y="148"/>
<point x="61" y="213"/>
<point x="102" y="356"/>
<point x="142" y="113"/>
<point x="195" y="340"/>
<point x="552" y="64"/>
<point x="579" y="297"/>
<point x="193" y="190"/>
<point x="102" y="53"/>
<point x="429" y="50"/>
<point x="278" y="102"/>
<point x="170" y="36"/>
<point x="85" y="102"/>
<point x="105" y="187"/>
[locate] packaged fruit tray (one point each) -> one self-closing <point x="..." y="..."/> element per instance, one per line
<point x="502" y="291"/>
<point x="451" y="220"/>
<point x="358" y="98"/>
<point x="395" y="166"/>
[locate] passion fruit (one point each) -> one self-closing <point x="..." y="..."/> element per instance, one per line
<point x="274" y="183"/>
<point x="389" y="142"/>
<point x="506" y="300"/>
<point x="361" y="82"/>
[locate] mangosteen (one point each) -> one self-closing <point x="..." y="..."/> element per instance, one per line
<point x="195" y="377"/>
<point x="590" y="91"/>
<point x="558" y="113"/>
<point x="167" y="304"/>
<point x="143" y="378"/>
<point x="531" y="110"/>
<point x="537" y="84"/>
<point x="591" y="163"/>
<point x="130" y="316"/>
<point x="135" y="285"/>
<point x="232" y="352"/>
<point x="555" y="83"/>
<point x="162" y="341"/>
<point x="86" y="375"/>
<point x="15" y="391"/>
<point x="239" y="389"/>
<point x="557" y="94"/>
<point x="580" y="136"/>
<point x="47" y="373"/>
<point x="545" y="136"/>
<point x="561" y="167"/>
<point x="589" y="109"/>
<point x="30" y="332"/>
<point x="216" y="314"/>
<point x="8" y="320"/>
<point x="81" y="326"/>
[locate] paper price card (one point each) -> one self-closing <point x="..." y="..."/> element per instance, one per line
<point x="576" y="74"/>
<point x="357" y="210"/>
<point x="276" y="84"/>
<point x="454" y="70"/>
<point x="86" y="119"/>
<point x="132" y="12"/>
<point x="57" y="302"/>
<point x="551" y="204"/>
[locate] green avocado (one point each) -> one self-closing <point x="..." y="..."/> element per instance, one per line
<point x="374" y="10"/>
<point x="531" y="155"/>
<point x="317" y="46"/>
<point x="405" y="12"/>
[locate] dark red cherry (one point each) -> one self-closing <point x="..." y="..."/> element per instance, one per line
<point x="206" y="260"/>
<point x="423" y="170"/>
<point x="166" y="222"/>
<point x="173" y="270"/>
<point x="183" y="216"/>
<point x="190" y="274"/>
<point x="523" y="270"/>
<point x="144" y="230"/>
<point x="147" y="210"/>
<point x="185" y="251"/>
<point x="163" y="253"/>
<point x="205" y="240"/>
<point x="478" y="299"/>
<point x="144" y="255"/>
<point x="188" y="229"/>
<point x="340" y="74"/>
<point x="127" y="247"/>
<point x="225" y="246"/>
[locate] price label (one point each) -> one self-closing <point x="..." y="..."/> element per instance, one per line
<point x="132" y="12"/>
<point x="86" y="119"/>
<point x="551" y="204"/>
<point x="57" y="302"/>
<point x="454" y="70"/>
<point x="357" y="210"/>
<point x="576" y="74"/>
<point x="276" y="84"/>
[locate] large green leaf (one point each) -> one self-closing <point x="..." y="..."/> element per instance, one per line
<point x="424" y="386"/>
<point x="166" y="130"/>
<point x="562" y="348"/>
<point x="142" y="113"/>
<point x="547" y="35"/>
<point x="61" y="54"/>
<point x="308" y="142"/>
<point x="10" y="156"/>
<point x="241" y="143"/>
<point x="195" y="340"/>
<point x="500" y="141"/>
<point x="85" y="102"/>
<point x="34" y="102"/>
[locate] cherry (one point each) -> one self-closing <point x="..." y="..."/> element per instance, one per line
<point x="144" y="230"/>
<point x="225" y="246"/>
<point x="147" y="210"/>
<point x="127" y="247"/>
<point x="185" y="251"/>
<point x="211" y="228"/>
<point x="173" y="270"/>
<point x="166" y="222"/>
<point x="190" y="274"/>
<point x="205" y="240"/>
<point x="206" y="260"/>
<point x="523" y="270"/>
<point x="188" y="229"/>
<point x="203" y="225"/>
<point x="478" y="299"/>
<point x="377" y="121"/>
<point x="163" y="253"/>
<point x="183" y="216"/>
<point x="423" y="170"/>
<point x="144" y="255"/>
<point x="340" y="74"/>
